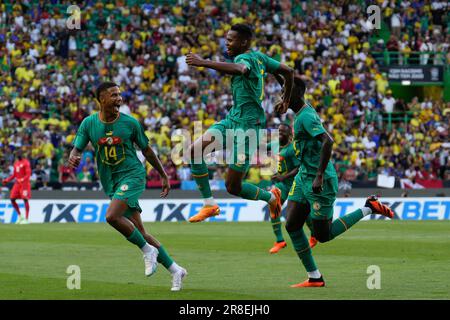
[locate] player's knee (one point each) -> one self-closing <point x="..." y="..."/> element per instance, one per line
<point x="322" y="230"/>
<point x="322" y="236"/>
<point x="291" y="226"/>
<point x="233" y="188"/>
<point x="111" y="218"/>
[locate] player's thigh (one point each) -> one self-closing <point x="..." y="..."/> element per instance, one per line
<point x="245" y="144"/>
<point x="322" y="204"/>
<point x="26" y="191"/>
<point x="296" y="214"/>
<point x="16" y="192"/>
<point x="129" y="190"/>
<point x="298" y="207"/>
<point x="234" y="178"/>
<point x="296" y="192"/>
<point x="117" y="208"/>
<point x="214" y="139"/>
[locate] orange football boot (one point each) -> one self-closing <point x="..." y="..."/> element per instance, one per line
<point x="312" y="242"/>
<point x="275" y="207"/>
<point x="205" y="212"/>
<point x="277" y="246"/>
<point x="378" y="208"/>
<point x="310" y="283"/>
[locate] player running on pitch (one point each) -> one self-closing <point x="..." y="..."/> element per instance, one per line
<point x="22" y="186"/>
<point x="248" y="71"/>
<point x="315" y="187"/>
<point x="288" y="166"/>
<point x="113" y="135"/>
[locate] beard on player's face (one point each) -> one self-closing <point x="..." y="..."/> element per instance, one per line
<point x="284" y="140"/>
<point x="284" y="136"/>
<point x="112" y="103"/>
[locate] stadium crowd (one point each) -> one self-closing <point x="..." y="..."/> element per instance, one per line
<point x="48" y="74"/>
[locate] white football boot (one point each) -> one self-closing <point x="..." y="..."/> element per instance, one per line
<point x="150" y="261"/>
<point x="177" y="279"/>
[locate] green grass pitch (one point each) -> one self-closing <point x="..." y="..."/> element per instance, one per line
<point x="224" y="261"/>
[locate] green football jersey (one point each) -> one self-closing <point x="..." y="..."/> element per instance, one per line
<point x="287" y="161"/>
<point x="115" y="153"/>
<point x="307" y="126"/>
<point x="248" y="89"/>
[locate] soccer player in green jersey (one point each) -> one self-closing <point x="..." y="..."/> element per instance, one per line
<point x="123" y="177"/>
<point x="314" y="189"/>
<point x="248" y="70"/>
<point x="288" y="166"/>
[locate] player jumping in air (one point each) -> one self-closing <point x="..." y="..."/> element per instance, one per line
<point x="248" y="71"/>
<point x="123" y="177"/>
<point x="288" y="166"/>
<point x="315" y="187"/>
<point x="22" y="186"/>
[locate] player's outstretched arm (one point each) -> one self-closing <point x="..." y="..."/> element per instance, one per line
<point x="194" y="60"/>
<point x="151" y="157"/>
<point x="325" y="155"/>
<point x="281" y="178"/>
<point x="6" y="180"/>
<point x="75" y="158"/>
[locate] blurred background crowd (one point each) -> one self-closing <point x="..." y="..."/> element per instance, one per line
<point x="48" y="75"/>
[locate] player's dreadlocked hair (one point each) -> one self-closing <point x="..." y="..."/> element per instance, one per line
<point x="244" y="30"/>
<point x="102" y="87"/>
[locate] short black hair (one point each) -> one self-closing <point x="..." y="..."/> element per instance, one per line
<point x="102" y="87"/>
<point x="244" y="30"/>
<point x="299" y="86"/>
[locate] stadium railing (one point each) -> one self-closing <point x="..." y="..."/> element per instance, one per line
<point x="386" y="57"/>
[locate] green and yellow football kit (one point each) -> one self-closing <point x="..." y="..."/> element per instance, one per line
<point x="246" y="118"/>
<point x="121" y="173"/>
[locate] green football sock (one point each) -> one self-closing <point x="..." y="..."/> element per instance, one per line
<point x="251" y="192"/>
<point x="276" y="226"/>
<point x="301" y="246"/>
<point x="137" y="238"/>
<point x="344" y="223"/>
<point x="309" y="224"/>
<point x="201" y="177"/>
<point x="164" y="258"/>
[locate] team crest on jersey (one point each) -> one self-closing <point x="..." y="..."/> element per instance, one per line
<point x="124" y="187"/>
<point x="316" y="206"/>
<point x="109" y="141"/>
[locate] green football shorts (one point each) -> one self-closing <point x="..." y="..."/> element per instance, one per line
<point x="321" y="204"/>
<point x="237" y="135"/>
<point x="129" y="189"/>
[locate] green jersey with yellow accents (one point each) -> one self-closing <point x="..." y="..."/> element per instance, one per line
<point x="248" y="89"/>
<point x="113" y="142"/>
<point x="287" y="161"/>
<point x="307" y="126"/>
